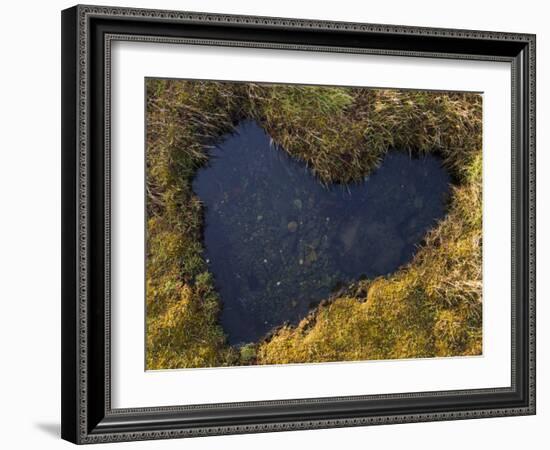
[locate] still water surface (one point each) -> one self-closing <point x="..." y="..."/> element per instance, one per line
<point x="278" y="242"/>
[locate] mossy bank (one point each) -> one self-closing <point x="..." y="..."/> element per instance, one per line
<point x="430" y="307"/>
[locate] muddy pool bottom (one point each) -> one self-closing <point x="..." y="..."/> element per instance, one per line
<point x="278" y="242"/>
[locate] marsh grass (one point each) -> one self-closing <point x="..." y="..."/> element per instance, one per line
<point x="430" y="307"/>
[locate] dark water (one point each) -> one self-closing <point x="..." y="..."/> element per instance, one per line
<point x="278" y="242"/>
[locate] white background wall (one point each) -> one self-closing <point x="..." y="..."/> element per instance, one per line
<point x="30" y="223"/>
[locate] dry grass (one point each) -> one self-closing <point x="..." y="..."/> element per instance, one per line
<point x="431" y="307"/>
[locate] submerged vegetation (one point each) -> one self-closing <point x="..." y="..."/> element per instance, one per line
<point x="429" y="307"/>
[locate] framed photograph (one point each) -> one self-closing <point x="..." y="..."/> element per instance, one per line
<point x="277" y="224"/>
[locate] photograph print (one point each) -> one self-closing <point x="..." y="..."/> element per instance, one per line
<point x="293" y="224"/>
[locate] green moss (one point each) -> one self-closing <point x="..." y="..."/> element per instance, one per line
<point x="431" y="307"/>
<point x="248" y="354"/>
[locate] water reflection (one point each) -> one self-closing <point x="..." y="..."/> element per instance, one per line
<point x="278" y="242"/>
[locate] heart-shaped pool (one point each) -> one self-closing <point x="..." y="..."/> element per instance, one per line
<point x="277" y="241"/>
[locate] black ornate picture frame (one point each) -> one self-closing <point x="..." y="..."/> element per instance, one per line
<point x="87" y="35"/>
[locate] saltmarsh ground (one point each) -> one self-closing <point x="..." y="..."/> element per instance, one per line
<point x="430" y="307"/>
